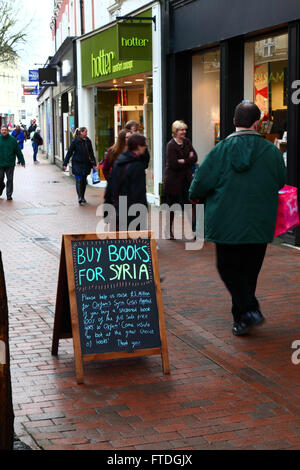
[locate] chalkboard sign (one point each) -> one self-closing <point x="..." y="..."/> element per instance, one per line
<point x="114" y="306"/>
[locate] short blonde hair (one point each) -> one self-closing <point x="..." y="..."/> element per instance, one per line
<point x="178" y="125"/>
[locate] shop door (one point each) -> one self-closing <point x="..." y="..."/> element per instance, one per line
<point x="123" y="114"/>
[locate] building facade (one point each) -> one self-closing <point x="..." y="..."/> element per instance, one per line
<point x="10" y="93"/>
<point x="218" y="56"/>
<point x="119" y="79"/>
<point x="116" y="72"/>
<point x="58" y="104"/>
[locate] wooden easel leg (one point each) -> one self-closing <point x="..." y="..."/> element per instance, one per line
<point x="165" y="361"/>
<point x="79" y="370"/>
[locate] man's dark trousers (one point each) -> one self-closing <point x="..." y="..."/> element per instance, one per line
<point x="9" y="172"/>
<point x="239" y="267"/>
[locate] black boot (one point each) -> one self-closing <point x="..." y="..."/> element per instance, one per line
<point x="79" y="191"/>
<point x="83" y="188"/>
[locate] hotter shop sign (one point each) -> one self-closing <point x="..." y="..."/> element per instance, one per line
<point x="116" y="53"/>
<point x="135" y="41"/>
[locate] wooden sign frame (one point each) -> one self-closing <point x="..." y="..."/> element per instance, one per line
<point x="66" y="323"/>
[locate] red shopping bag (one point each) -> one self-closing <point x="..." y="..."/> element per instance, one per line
<point x="287" y="212"/>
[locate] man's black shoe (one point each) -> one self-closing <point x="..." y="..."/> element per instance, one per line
<point x="254" y="318"/>
<point x="240" y="328"/>
<point x="9" y="198"/>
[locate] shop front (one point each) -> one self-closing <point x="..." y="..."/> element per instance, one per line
<point x="57" y="104"/>
<point x="117" y="71"/>
<point x="213" y="64"/>
<point x="64" y="99"/>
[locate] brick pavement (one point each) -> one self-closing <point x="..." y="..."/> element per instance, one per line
<point x="223" y="392"/>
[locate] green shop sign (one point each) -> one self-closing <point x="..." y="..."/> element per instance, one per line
<point x="122" y="50"/>
<point x="135" y="41"/>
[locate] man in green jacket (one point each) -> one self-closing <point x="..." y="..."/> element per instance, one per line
<point x="239" y="180"/>
<point x="9" y="150"/>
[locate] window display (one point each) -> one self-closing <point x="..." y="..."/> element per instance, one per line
<point x="266" y="83"/>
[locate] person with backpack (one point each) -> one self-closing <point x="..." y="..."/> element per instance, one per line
<point x="32" y="128"/>
<point x="128" y="178"/>
<point x="83" y="160"/>
<point x="36" y="142"/>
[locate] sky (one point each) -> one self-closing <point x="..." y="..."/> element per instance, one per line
<point x="39" y="43"/>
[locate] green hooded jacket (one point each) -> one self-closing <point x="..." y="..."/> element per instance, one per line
<point x="9" y="150"/>
<point x="240" y="179"/>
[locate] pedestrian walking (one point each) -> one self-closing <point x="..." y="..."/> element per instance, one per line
<point x="9" y="151"/>
<point x="37" y="141"/>
<point x="19" y="135"/>
<point x="32" y="128"/>
<point x="113" y="152"/>
<point x="180" y="159"/>
<point x="128" y="178"/>
<point x="83" y="160"/>
<point x="240" y="179"/>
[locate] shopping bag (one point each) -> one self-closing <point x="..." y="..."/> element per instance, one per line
<point x="100" y="168"/>
<point x="95" y="177"/>
<point x="287" y="212"/>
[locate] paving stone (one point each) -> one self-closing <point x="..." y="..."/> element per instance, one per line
<point x="223" y="392"/>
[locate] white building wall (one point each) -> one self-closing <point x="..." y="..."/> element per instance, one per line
<point x="102" y="16"/>
<point x="86" y="111"/>
<point x="10" y="90"/>
<point x="88" y="12"/>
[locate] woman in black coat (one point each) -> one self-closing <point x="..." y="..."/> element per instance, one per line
<point x="83" y="160"/>
<point x="180" y="158"/>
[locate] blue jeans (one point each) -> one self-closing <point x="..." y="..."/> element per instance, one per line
<point x="35" y="150"/>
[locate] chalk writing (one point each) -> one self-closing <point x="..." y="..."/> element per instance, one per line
<point x="116" y="296"/>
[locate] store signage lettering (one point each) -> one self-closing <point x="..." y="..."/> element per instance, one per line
<point x="33" y="76"/>
<point x="119" y="51"/>
<point x="278" y="77"/>
<point x="48" y="76"/>
<point x="134" y="42"/>
<point x="102" y="64"/>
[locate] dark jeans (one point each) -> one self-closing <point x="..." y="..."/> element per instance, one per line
<point x="7" y="171"/>
<point x="239" y="267"/>
<point x="35" y="150"/>
<point x="80" y="187"/>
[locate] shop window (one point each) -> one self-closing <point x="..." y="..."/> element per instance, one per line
<point x="269" y="47"/>
<point x="266" y="83"/>
<point x="130" y="98"/>
<point x="206" y="102"/>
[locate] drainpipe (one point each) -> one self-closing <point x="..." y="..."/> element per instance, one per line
<point x="82" y="17"/>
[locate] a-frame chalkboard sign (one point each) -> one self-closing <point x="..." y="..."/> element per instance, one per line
<point x="109" y="298"/>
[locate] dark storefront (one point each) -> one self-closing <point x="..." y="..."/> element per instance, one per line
<point x="217" y="56"/>
<point x="63" y="99"/>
